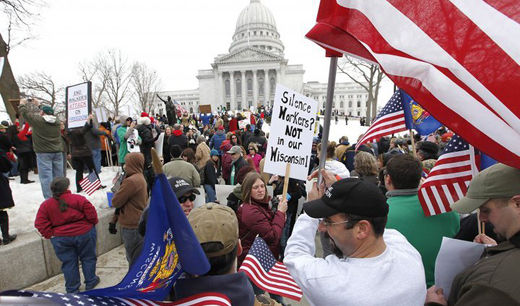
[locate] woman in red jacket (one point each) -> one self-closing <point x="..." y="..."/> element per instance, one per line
<point x="69" y="221"/>
<point x="255" y="217"/>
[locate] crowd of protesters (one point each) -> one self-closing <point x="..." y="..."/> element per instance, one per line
<point x="377" y="245"/>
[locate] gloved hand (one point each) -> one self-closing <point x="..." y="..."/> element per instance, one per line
<point x="112" y="228"/>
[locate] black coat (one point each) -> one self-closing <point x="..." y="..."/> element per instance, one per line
<point x="6" y="200"/>
<point x="78" y="142"/>
<point x="145" y="132"/>
<point x="210" y="174"/>
<point x="180" y="140"/>
<point x="238" y="164"/>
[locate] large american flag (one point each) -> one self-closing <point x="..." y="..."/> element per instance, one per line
<point x="448" y="180"/>
<point x="69" y="299"/>
<point x="460" y="58"/>
<point x="268" y="273"/>
<point x="389" y="121"/>
<point x="90" y="183"/>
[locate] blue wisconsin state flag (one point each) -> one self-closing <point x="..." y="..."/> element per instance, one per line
<point x="418" y="118"/>
<point x="170" y="247"/>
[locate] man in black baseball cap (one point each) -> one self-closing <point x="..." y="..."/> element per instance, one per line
<point x="371" y="265"/>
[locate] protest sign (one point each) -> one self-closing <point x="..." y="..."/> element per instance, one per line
<point x="242" y="124"/>
<point x="101" y="114"/>
<point x="292" y="129"/>
<point x="78" y="104"/>
<point x="205" y="109"/>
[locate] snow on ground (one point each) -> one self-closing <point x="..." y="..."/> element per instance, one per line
<point x="28" y="197"/>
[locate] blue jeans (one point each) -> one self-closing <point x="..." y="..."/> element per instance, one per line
<point x="96" y="156"/>
<point x="50" y="166"/>
<point x="211" y="195"/>
<point x="69" y="250"/>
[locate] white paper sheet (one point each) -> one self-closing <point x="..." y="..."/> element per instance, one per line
<point x="454" y="257"/>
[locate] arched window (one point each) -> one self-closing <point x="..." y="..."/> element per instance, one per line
<point x="341" y="104"/>
<point x="358" y="103"/>
<point x="249" y="85"/>
<point x="238" y="87"/>
<point x="228" y="90"/>
<point x="349" y="103"/>
<point x="273" y="85"/>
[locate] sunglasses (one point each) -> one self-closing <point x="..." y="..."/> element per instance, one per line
<point x="186" y="198"/>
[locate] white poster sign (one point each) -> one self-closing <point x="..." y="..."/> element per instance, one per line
<point x="78" y="104"/>
<point x="242" y="124"/>
<point x="101" y="114"/>
<point x="292" y="128"/>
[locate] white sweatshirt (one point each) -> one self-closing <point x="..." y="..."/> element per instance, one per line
<point x="396" y="277"/>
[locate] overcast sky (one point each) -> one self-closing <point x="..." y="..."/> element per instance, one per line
<point x="176" y="38"/>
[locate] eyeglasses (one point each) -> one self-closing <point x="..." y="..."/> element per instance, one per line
<point x="330" y="224"/>
<point x="186" y="198"/>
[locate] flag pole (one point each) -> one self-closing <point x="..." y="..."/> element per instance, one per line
<point x="328" y="110"/>
<point x="413" y="143"/>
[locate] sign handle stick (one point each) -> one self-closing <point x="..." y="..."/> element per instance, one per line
<point x="479" y="224"/>
<point x="413" y="143"/>
<point x="328" y="114"/>
<point x="286" y="180"/>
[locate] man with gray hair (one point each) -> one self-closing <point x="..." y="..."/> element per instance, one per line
<point x="494" y="279"/>
<point x="47" y="141"/>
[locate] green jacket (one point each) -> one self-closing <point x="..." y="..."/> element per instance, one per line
<point x="46" y="134"/>
<point x="123" y="149"/>
<point x="493" y="280"/>
<point x="424" y="233"/>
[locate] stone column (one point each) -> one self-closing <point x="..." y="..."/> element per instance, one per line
<point x="244" y="89"/>
<point x="222" y="87"/>
<point x="232" y="90"/>
<point x="266" y="86"/>
<point x="255" y="89"/>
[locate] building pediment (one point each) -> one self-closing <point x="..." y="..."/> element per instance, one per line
<point x="248" y="55"/>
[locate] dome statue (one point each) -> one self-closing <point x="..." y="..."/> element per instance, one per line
<point x="256" y="28"/>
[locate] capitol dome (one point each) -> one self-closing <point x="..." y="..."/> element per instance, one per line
<point x="256" y="28"/>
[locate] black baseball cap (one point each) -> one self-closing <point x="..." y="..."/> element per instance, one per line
<point x="181" y="187"/>
<point x="351" y="196"/>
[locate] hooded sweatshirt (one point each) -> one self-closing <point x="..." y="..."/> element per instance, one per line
<point x="46" y="131"/>
<point x="132" y="196"/>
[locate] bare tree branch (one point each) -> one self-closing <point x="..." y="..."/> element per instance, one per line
<point x="146" y="83"/>
<point x="41" y="85"/>
<point x="366" y="75"/>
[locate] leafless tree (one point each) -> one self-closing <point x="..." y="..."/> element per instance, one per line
<point x="117" y="72"/>
<point x="92" y="71"/>
<point x="41" y="86"/>
<point x="366" y="75"/>
<point x="146" y="83"/>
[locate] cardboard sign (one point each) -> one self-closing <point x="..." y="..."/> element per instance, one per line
<point x="205" y="109"/>
<point x="242" y="124"/>
<point x="78" y="104"/>
<point x="292" y="129"/>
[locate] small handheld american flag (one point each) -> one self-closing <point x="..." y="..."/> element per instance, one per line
<point x="448" y="180"/>
<point x="389" y="121"/>
<point x="267" y="273"/>
<point x="90" y="183"/>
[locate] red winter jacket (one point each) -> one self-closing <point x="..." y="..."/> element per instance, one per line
<point x="79" y="217"/>
<point x="226" y="161"/>
<point x="257" y="219"/>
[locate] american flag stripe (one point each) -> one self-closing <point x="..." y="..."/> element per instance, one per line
<point x="449" y="179"/>
<point x="390" y="120"/>
<point x="427" y="47"/>
<point x="90" y="183"/>
<point x="256" y="269"/>
<point x="282" y="286"/>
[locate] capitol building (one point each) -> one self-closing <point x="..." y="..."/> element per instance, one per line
<point x="247" y="76"/>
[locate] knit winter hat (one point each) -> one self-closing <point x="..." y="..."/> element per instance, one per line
<point x="214" y="153"/>
<point x="48" y="110"/>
